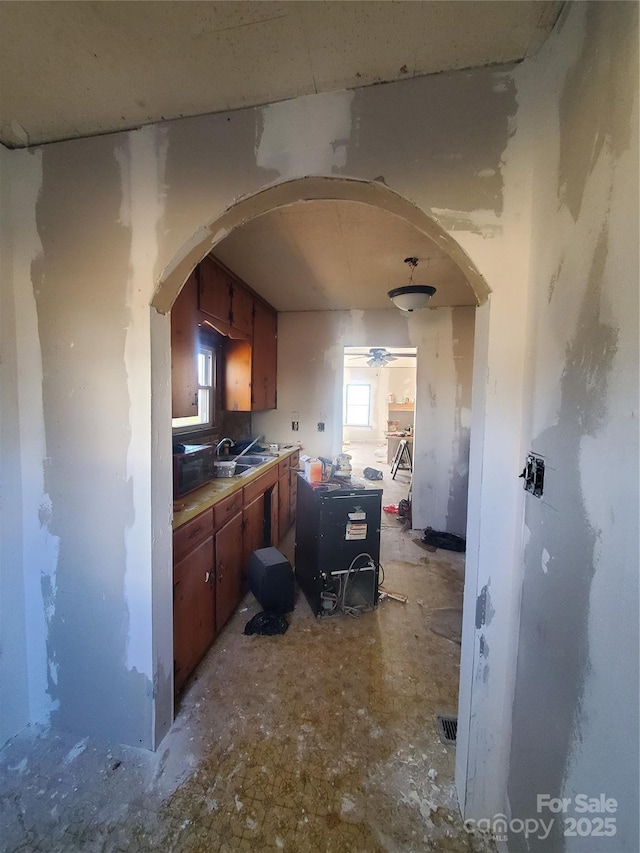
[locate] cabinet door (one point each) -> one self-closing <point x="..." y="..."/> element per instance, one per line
<point x="265" y="340"/>
<point x="284" y="507"/>
<point x="184" y="351"/>
<point x="229" y="565"/>
<point x="241" y="309"/>
<point x="275" y="515"/>
<point x="293" y="495"/>
<point x="253" y="528"/>
<point x="237" y="391"/>
<point x="214" y="290"/>
<point x="194" y="626"/>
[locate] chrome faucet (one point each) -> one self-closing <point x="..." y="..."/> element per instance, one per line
<point x="222" y="441"/>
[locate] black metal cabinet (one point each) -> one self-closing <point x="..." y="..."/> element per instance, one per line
<point x="338" y="546"/>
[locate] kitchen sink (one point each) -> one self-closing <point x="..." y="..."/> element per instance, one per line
<point x="250" y="460"/>
<point x="247" y="463"/>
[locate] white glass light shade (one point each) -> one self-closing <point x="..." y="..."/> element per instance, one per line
<point x="411" y="296"/>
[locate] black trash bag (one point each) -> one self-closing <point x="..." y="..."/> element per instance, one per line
<point x="372" y="474"/>
<point x="266" y="623"/>
<point x="440" y="539"/>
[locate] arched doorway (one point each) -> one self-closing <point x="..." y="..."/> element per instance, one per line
<point x="173" y="277"/>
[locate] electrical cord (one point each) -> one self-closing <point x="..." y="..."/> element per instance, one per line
<point x="350" y="610"/>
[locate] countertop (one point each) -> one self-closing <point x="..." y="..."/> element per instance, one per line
<point x="191" y="505"/>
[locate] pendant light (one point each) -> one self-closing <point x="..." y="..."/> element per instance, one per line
<point x="411" y="296"/>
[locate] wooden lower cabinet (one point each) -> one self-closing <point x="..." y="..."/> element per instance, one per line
<point x="253" y="534"/>
<point x="284" y="506"/>
<point x="229" y="554"/>
<point x="194" y="623"/>
<point x="287" y="493"/>
<point x="274" y="539"/>
<point x="210" y="560"/>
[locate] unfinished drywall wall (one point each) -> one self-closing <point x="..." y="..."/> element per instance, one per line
<point x="578" y="638"/>
<point x="310" y="389"/>
<point x="29" y="549"/>
<point x="91" y="329"/>
<point x="14" y="704"/>
<point x="444" y="145"/>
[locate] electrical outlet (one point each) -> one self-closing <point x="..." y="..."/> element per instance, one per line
<point x="533" y="475"/>
<point x="320" y="426"/>
<point x="294" y="426"/>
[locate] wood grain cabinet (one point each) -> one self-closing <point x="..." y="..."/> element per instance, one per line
<point x="214" y="291"/>
<point x="184" y="351"/>
<point x="241" y="309"/>
<point x="214" y="295"/>
<point x="194" y="622"/>
<point x="251" y="366"/>
<point x="229" y="569"/>
<point x="210" y="554"/>
<point x="264" y="366"/>
<point x="287" y="493"/>
<point x="254" y="528"/>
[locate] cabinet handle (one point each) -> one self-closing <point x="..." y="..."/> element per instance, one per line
<point x="207" y="577"/>
<point x="194" y="533"/>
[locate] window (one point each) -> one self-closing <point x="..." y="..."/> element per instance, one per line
<point x="206" y="393"/>
<point x="357" y="405"/>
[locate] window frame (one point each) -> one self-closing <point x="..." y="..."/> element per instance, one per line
<point x="348" y="405"/>
<point x="182" y="426"/>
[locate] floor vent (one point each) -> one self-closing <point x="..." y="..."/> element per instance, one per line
<point x="447" y="729"/>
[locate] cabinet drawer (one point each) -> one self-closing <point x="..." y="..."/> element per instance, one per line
<point x="283" y="466"/>
<point x="226" y="509"/>
<point x="191" y="534"/>
<point x="294" y="459"/>
<point x="260" y="486"/>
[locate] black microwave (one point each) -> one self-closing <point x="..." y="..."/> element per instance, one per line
<point x="192" y="468"/>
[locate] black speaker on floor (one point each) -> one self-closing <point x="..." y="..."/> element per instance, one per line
<point x="271" y="580"/>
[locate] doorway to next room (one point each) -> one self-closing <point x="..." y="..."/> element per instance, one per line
<point x="378" y="414"/>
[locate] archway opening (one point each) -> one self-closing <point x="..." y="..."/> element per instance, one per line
<point x="229" y="225"/>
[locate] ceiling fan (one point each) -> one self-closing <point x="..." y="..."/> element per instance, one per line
<point x="380" y="357"/>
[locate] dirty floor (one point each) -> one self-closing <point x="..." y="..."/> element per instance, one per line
<point x="323" y="739"/>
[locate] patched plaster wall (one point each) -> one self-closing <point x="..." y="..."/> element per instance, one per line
<point x="105" y="226"/>
<point x="119" y="222"/>
<point x="578" y="639"/>
<point x="310" y="388"/>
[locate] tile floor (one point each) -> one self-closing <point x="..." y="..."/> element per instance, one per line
<point x="323" y="739"/>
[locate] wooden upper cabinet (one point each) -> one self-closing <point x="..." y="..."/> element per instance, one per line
<point x="214" y="295"/>
<point x="264" y="363"/>
<point x="241" y="309"/>
<point x="250" y="328"/>
<point x="237" y="386"/>
<point x="184" y="351"/>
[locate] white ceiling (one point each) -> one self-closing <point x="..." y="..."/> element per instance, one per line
<point x="72" y="69"/>
<point x="333" y="255"/>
